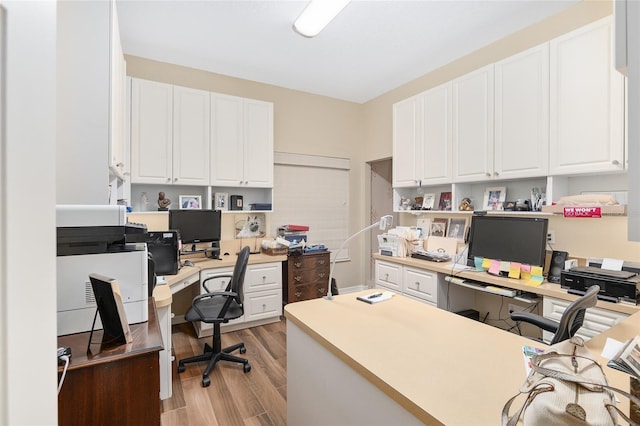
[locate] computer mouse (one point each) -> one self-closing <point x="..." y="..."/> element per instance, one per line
<point x="188" y="263"/>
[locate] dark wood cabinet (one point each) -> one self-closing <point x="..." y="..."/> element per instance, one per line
<point x="305" y="276"/>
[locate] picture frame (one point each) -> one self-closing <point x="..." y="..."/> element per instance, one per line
<point x="457" y="228"/>
<point x="190" y="202"/>
<point x="438" y="227"/>
<point x="220" y="201"/>
<point x="445" y="201"/>
<point x="494" y="198"/>
<point x="428" y="201"/>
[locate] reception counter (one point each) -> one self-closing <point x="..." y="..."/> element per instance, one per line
<point x="405" y="362"/>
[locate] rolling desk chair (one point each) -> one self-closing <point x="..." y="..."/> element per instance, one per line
<point x="219" y="307"/>
<point x="571" y="320"/>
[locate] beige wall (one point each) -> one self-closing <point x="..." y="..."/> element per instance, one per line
<point x="317" y="125"/>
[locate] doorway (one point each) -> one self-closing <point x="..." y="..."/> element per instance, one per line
<point x="381" y="204"/>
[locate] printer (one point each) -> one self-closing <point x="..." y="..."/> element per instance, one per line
<point x="97" y="239"/>
<point x="615" y="286"/>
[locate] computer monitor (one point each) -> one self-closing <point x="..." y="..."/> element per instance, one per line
<point x="196" y="226"/>
<point x="508" y="238"/>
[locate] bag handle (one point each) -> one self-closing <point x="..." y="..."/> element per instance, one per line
<point x="532" y="392"/>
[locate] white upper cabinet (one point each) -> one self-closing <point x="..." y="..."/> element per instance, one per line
<point x="169" y="134"/>
<point x="241" y="142"/>
<point x="151" y="132"/>
<point x="437" y="147"/>
<point x="473" y="126"/>
<point x="422" y="139"/>
<point x="522" y="115"/>
<point x="190" y="136"/>
<point x="407" y="142"/>
<point x="587" y="102"/>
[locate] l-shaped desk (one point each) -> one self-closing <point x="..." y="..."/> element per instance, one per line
<point x="403" y="361"/>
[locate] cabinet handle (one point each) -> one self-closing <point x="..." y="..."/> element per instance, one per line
<point x="297" y="278"/>
<point x="264" y="306"/>
<point x="264" y="278"/>
<point x="321" y="275"/>
<point x="386" y="277"/>
<point x="298" y="293"/>
<point x="615" y="162"/>
<point x="488" y="174"/>
<point x="175" y="179"/>
<point x="321" y="262"/>
<point x="320" y="290"/>
<point x="297" y="264"/>
<point x="168" y="179"/>
<point x="496" y="174"/>
<point x="417" y="284"/>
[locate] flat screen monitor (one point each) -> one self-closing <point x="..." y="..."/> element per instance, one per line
<point x="508" y="238"/>
<point x="196" y="226"/>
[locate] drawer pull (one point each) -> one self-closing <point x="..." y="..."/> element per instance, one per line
<point x="386" y="277"/>
<point x="297" y="278"/>
<point x="320" y="290"/>
<point x="264" y="278"/>
<point x="264" y="306"/>
<point x="297" y="264"/>
<point x="298" y="293"/>
<point x="322" y="262"/>
<point x="321" y="275"/>
<point x="417" y="284"/>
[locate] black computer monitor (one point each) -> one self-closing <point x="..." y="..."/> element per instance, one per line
<point x="508" y="238"/>
<point x="196" y="226"/>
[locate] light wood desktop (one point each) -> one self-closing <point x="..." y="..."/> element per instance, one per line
<point x="406" y="362"/>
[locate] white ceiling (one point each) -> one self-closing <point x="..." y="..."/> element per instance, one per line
<point x="369" y="49"/>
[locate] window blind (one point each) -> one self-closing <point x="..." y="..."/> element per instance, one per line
<point x="313" y="191"/>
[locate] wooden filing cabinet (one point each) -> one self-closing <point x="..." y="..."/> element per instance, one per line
<point x="305" y="276"/>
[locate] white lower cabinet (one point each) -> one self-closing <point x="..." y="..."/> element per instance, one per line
<point x="416" y="283"/>
<point x="262" y="296"/>
<point x="596" y="320"/>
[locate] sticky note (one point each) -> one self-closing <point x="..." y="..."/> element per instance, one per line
<point x="486" y="263"/>
<point x="495" y="267"/>
<point x="514" y="270"/>
<point x="526" y="275"/>
<point x="525" y="268"/>
<point x="478" y="262"/>
<point x="535" y="281"/>
<point x="536" y="271"/>
<point x="504" y="266"/>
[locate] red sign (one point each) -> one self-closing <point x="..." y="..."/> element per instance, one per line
<point x="582" y="212"/>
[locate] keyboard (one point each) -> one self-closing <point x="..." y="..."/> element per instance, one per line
<point x="431" y="256"/>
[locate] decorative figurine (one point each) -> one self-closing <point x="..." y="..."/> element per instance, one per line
<point x="163" y="203"/>
<point x="465" y="205"/>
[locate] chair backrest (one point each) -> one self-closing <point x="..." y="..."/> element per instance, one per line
<point x="573" y="317"/>
<point x="239" y="271"/>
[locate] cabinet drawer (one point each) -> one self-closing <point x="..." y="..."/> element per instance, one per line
<point x="421" y="283"/>
<point x="319" y="261"/>
<point x="261" y="277"/>
<point x="263" y="304"/>
<point x="308" y="276"/>
<point x="388" y="275"/>
<point x="306" y="292"/>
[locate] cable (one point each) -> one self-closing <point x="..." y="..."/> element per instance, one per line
<point x="65" y="358"/>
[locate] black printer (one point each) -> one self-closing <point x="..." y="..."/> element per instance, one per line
<point x="615" y="286"/>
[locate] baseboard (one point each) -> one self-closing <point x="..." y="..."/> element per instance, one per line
<point x="178" y="319"/>
<point x="352" y="289"/>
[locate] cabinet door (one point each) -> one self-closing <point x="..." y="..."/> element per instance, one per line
<point x="118" y="94"/>
<point x="436" y="136"/>
<point x="151" y="131"/>
<point x="258" y="144"/>
<point x="522" y="114"/>
<point x="473" y="126"/>
<point x="587" y="95"/>
<point x="407" y="153"/>
<point x="190" y="136"/>
<point x="227" y="150"/>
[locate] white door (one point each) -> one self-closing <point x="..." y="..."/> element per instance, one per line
<point x="473" y="126"/>
<point x="587" y="102"/>
<point x="190" y="136"/>
<point x="151" y="131"/>
<point x="522" y="114"/>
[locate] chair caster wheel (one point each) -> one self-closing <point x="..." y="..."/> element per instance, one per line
<point x="181" y="368"/>
<point x="243" y="350"/>
<point x="206" y="381"/>
<point x="246" y="367"/>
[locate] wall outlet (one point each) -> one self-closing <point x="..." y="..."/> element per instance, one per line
<point x="551" y="237"/>
<point x="516" y="308"/>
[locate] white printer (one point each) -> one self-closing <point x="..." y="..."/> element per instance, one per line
<point x="97" y="239"/>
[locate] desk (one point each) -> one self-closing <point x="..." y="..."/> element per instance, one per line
<point x="405" y="362"/>
<point x="116" y="386"/>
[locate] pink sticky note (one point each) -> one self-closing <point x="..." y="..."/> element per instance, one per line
<point x="495" y="267"/>
<point x="525" y="268"/>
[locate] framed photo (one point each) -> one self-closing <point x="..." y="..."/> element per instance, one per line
<point x="445" y="201"/>
<point x="251" y="225"/>
<point x="457" y="228"/>
<point x="428" y="201"/>
<point x="494" y="198"/>
<point x="190" y="202"/>
<point x="220" y="201"/>
<point x="438" y="227"/>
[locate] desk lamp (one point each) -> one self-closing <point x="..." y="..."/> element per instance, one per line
<point x="384" y="223"/>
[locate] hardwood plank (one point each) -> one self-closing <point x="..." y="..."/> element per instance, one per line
<point x="234" y="397"/>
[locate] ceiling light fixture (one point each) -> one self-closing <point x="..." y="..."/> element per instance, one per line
<point x="317" y="15"/>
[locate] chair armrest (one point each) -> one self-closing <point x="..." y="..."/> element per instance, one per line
<point x="204" y="283"/>
<point x="542" y="322"/>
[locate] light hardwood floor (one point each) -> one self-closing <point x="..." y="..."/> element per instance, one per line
<point x="234" y="397"/>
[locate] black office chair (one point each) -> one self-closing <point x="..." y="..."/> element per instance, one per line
<point x="571" y="320"/>
<point x="216" y="308"/>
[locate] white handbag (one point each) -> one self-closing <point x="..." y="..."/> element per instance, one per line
<point x="567" y="386"/>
